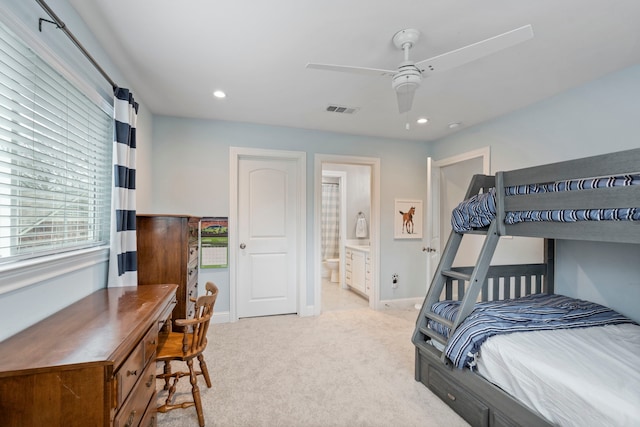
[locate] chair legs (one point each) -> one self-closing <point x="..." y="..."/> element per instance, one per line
<point x="167" y="374"/>
<point x="204" y="369"/>
<point x="195" y="390"/>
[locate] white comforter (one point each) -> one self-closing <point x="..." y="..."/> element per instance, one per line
<point x="579" y="377"/>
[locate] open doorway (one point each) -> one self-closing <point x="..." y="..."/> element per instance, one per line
<point x="346" y="232"/>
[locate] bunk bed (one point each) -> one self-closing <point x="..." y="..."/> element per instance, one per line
<point x="494" y="341"/>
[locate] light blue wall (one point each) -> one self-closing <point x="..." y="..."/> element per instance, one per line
<point x="177" y="154"/>
<point x="596" y="118"/>
<point x="191" y="176"/>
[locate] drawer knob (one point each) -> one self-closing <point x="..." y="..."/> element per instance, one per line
<point x="451" y="396"/>
<point x="129" y="373"/>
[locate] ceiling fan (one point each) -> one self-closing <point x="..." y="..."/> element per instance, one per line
<point x="407" y="77"/>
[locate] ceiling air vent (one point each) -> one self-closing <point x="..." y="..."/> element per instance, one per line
<point x="341" y="109"/>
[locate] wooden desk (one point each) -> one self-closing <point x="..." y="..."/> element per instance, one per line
<point x="90" y="364"/>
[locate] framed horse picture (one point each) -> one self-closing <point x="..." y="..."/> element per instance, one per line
<point x="407" y="219"/>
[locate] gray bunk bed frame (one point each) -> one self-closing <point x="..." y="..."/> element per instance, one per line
<point x="477" y="400"/>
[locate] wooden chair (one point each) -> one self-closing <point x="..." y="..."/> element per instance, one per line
<point x="185" y="347"/>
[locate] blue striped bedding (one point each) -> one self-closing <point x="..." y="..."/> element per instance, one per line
<point x="530" y="313"/>
<point x="479" y="210"/>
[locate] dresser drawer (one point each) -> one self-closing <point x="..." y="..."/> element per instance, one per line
<point x="193" y="255"/>
<point x="470" y="408"/>
<point x="150" y="418"/>
<point x="135" y="407"/>
<point x="192" y="275"/>
<point x="150" y="342"/>
<point x="131" y="370"/>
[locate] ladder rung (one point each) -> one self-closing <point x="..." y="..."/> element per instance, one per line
<point x="482" y="231"/>
<point x="434" y="335"/>
<point x="436" y="318"/>
<point x="456" y="275"/>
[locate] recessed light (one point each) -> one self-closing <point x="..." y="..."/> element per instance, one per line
<point x="219" y="94"/>
<point x="454" y="125"/>
<point x="422" y="120"/>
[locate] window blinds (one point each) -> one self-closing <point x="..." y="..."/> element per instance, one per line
<point x="55" y="159"/>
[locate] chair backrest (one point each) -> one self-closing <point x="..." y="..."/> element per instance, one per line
<point x="195" y="342"/>
<point x="204" y="312"/>
<point x="211" y="288"/>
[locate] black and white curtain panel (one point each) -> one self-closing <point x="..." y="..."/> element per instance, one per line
<point x="123" y="259"/>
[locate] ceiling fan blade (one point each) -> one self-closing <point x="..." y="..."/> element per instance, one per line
<point x="356" y="70"/>
<point x="474" y="51"/>
<point x="405" y="98"/>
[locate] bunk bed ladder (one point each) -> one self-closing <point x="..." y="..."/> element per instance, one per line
<point x="446" y="272"/>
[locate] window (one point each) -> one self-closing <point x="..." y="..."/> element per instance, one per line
<point x="55" y="159"/>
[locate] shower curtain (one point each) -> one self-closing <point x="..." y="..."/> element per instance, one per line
<point x="330" y="232"/>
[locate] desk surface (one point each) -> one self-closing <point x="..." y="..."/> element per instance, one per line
<point x="94" y="330"/>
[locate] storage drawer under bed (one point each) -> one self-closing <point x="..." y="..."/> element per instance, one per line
<point x="469" y="408"/>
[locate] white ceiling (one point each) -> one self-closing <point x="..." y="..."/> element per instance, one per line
<point x="174" y="54"/>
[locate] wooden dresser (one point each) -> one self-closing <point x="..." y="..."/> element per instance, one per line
<point x="168" y="253"/>
<point x="90" y="364"/>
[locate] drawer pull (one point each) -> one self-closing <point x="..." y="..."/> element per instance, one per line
<point x="451" y="396"/>
<point x="151" y="380"/>
<point x="129" y="373"/>
<point x="131" y="418"/>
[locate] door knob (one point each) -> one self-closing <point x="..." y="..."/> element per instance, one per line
<point x="242" y="246"/>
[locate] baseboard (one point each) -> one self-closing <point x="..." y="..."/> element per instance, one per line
<point x="221" y="317"/>
<point x="400" y="304"/>
<point x="307" y="311"/>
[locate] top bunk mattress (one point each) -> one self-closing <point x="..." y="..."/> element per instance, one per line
<point x="479" y="210"/>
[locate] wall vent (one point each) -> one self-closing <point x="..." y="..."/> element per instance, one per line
<point x="341" y="109"/>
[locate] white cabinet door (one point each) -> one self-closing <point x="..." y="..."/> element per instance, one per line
<point x="358" y="271"/>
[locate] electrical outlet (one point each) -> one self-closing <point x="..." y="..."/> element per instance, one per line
<point x="394" y="281"/>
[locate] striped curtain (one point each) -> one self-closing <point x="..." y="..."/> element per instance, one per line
<point x="123" y="259"/>
<point x="330" y="227"/>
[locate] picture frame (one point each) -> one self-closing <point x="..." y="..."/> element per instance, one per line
<point x="407" y="219"/>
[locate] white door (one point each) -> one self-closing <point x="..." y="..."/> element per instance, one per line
<point x="447" y="183"/>
<point x="433" y="219"/>
<point x="267" y="220"/>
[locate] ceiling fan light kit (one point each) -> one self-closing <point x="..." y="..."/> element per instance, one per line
<point x="406" y="79"/>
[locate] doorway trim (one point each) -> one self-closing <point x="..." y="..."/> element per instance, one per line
<point x="300" y="157"/>
<point x="435" y="178"/>
<point x="374" y="224"/>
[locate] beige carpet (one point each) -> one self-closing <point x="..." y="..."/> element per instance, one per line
<point x="350" y="366"/>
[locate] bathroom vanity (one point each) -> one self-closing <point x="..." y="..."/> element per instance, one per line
<point x="358" y="269"/>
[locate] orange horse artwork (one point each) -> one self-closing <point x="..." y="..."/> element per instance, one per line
<point x="407" y="220"/>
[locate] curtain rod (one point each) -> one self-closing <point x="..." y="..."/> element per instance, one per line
<point x="59" y="24"/>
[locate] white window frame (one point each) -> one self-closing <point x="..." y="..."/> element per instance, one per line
<point x="22" y="273"/>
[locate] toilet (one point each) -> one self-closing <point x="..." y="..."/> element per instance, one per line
<point x="333" y="264"/>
